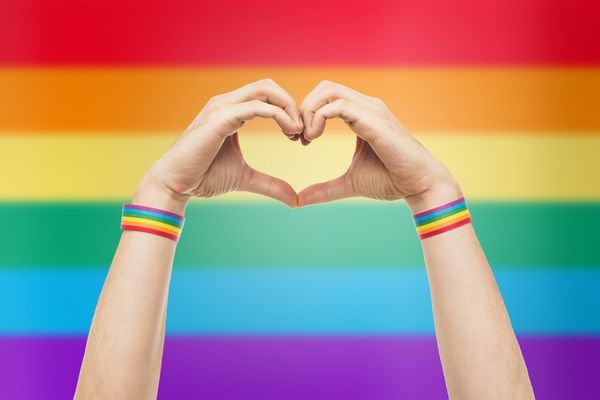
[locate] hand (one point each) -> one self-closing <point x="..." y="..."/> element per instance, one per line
<point x="388" y="163"/>
<point x="207" y="161"/>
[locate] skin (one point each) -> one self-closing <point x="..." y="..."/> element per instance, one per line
<point x="479" y="352"/>
<point x="480" y="355"/>
<point x="124" y="348"/>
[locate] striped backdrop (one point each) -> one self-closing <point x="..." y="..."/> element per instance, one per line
<point x="327" y="302"/>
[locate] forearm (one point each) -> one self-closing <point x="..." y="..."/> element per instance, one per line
<point x="480" y="354"/>
<point x="124" y="349"/>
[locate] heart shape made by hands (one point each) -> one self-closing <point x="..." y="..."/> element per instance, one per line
<point x="387" y="163"/>
<point x="301" y="166"/>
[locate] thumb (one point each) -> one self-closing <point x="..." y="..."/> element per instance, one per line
<point x="336" y="189"/>
<point x="257" y="182"/>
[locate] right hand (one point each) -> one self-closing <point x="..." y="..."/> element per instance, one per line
<point x="207" y="161"/>
<point x="388" y="163"/>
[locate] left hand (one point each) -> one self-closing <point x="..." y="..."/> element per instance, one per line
<point x="207" y="160"/>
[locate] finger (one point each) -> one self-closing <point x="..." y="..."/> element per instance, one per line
<point x="356" y="116"/>
<point x="336" y="189"/>
<point x="257" y="182"/>
<point x="234" y="116"/>
<point x="266" y="90"/>
<point x="327" y="92"/>
<point x="293" y="137"/>
<point x="304" y="141"/>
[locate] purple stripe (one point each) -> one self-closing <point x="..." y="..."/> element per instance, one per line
<point x="156" y="210"/>
<point x="297" y="367"/>
<point x="424" y="213"/>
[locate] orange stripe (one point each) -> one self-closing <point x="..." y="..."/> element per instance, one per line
<point x="150" y="223"/>
<point x="436" y="99"/>
<point x="173" y="231"/>
<point x="445" y="228"/>
<point x="446" y="223"/>
<point x="435" y="224"/>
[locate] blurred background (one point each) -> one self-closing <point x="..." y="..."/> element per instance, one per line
<point x="327" y="302"/>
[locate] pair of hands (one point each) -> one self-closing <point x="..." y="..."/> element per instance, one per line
<point x="207" y="160"/>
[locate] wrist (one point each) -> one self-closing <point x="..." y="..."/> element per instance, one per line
<point x="151" y="192"/>
<point x="441" y="192"/>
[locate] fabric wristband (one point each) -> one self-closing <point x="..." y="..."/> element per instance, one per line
<point x="442" y="219"/>
<point x="152" y="220"/>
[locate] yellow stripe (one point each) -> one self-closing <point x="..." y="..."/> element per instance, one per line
<point x="149" y="222"/>
<point x="445" y="224"/>
<point x="443" y="221"/>
<point x="150" y="226"/>
<point x="103" y="167"/>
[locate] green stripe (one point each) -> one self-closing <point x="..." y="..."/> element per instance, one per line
<point x="152" y="217"/>
<point x="441" y="216"/>
<point x="340" y="234"/>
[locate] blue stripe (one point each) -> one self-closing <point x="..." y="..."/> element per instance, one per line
<point x="441" y="212"/>
<point x="134" y="211"/>
<point x="299" y="301"/>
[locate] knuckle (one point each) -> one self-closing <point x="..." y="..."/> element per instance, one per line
<point x="378" y="101"/>
<point x="344" y="103"/>
<point x="214" y="101"/>
<point x="259" y="107"/>
<point x="265" y="88"/>
<point x="319" y="114"/>
<point x="224" y="114"/>
<point x="227" y="108"/>
<point x="266" y="83"/>
<point x="215" y="98"/>
<point x="329" y="92"/>
<point x="325" y="83"/>
<point x="349" y="112"/>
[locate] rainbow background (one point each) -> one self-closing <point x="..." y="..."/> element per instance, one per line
<point x="327" y="302"/>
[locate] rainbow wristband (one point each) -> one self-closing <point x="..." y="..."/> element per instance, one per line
<point x="152" y="220"/>
<point x="442" y="219"/>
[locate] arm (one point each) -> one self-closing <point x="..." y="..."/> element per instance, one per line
<point x="479" y="352"/>
<point x="124" y="349"/>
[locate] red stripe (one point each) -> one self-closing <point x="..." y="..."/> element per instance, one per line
<point x="268" y="32"/>
<point x="446" y="228"/>
<point x="148" y="230"/>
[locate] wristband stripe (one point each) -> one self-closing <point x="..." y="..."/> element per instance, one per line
<point x="151" y="220"/>
<point x="444" y="222"/>
<point x="442" y="219"/>
<point x="440" y="214"/>
<point x="153" y="216"/>
<point x="134" y="208"/>
<point x="151" y="231"/>
<point x="440" y="208"/>
<point x="446" y="228"/>
<point x="150" y="224"/>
